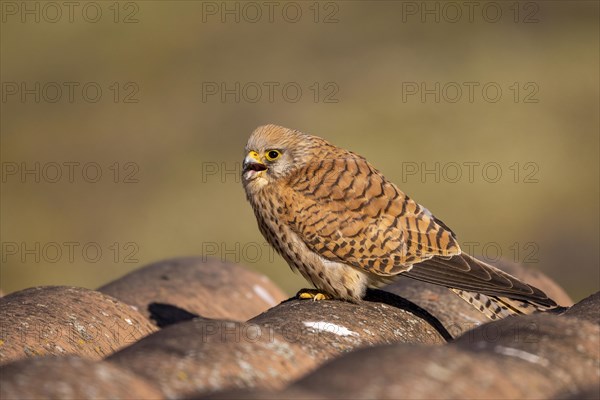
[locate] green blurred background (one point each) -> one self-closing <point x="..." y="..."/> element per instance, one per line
<point x="174" y="143"/>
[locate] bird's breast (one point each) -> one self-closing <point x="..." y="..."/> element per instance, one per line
<point x="336" y="278"/>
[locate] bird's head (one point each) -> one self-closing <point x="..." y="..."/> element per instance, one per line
<point x="273" y="153"/>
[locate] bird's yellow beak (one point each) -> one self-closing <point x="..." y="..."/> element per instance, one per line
<point x="252" y="162"/>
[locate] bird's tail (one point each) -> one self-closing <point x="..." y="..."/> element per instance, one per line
<point x="495" y="307"/>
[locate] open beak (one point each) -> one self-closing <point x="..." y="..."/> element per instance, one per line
<point x="252" y="162"/>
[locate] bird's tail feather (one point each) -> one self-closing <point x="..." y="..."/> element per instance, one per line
<point x="495" y="307"/>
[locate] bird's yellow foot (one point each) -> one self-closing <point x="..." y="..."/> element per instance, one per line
<point x="313" y="294"/>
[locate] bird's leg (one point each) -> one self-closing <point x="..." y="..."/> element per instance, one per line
<point x="313" y="294"/>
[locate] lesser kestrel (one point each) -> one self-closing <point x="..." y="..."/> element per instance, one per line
<point x="338" y="221"/>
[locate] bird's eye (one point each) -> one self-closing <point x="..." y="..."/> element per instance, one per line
<point x="273" y="155"/>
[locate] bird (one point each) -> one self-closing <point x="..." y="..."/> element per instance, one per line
<point x="338" y="221"/>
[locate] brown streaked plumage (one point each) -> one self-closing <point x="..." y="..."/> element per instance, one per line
<point x="345" y="227"/>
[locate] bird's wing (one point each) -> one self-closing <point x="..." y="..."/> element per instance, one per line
<point x="466" y="273"/>
<point x="345" y="210"/>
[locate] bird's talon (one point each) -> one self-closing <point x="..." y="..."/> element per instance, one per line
<point x="320" y="296"/>
<point x="313" y="294"/>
